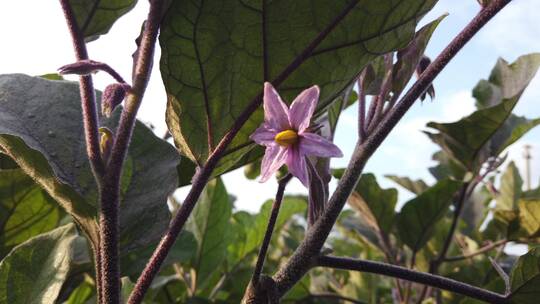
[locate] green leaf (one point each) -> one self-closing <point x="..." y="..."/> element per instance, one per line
<point x="419" y="216"/>
<point x="510" y="189"/>
<point x="25" y="210"/>
<point x="35" y="270"/>
<point x="81" y="294"/>
<point x="375" y="204"/>
<point x="491" y="129"/>
<point x="254" y="229"/>
<point x="525" y="278"/>
<point x="96" y="17"/>
<point x="409" y="57"/>
<point x="213" y="59"/>
<point x="209" y="224"/>
<point x="41" y="129"/>
<point x="446" y="167"/>
<point x="529" y="216"/>
<point x="415" y="186"/>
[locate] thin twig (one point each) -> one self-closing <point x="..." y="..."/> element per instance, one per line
<point x="315" y="237"/>
<point x="412" y="276"/>
<point x="332" y="296"/>
<point x="88" y="97"/>
<point x="203" y="175"/>
<point x="478" y="252"/>
<point x="269" y="229"/>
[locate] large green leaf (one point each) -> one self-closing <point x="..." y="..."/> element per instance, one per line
<point x="96" y="17"/>
<point x="525" y="278"/>
<point x="375" y="204"/>
<point x="419" y="216"/>
<point x="41" y="129"/>
<point x="209" y="224"/>
<point x="35" y="270"/>
<point x="491" y="129"/>
<point x="215" y="59"/>
<point x="25" y="209"/>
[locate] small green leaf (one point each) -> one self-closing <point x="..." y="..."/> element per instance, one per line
<point x="525" y="278"/>
<point x="96" y="17"/>
<point x="375" y="204"/>
<point x="81" y="294"/>
<point x="415" y="186"/>
<point x="35" y="270"/>
<point x="513" y="78"/>
<point x="510" y="189"/>
<point x="209" y="224"/>
<point x="25" y="210"/>
<point x="409" y="57"/>
<point x="419" y="216"/>
<point x="529" y="216"/>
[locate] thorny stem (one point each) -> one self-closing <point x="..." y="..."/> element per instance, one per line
<point x="204" y="173"/>
<point x="310" y="247"/>
<point x="269" y="229"/>
<point x="412" y="276"/>
<point x="88" y="98"/>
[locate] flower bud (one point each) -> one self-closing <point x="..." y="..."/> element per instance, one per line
<point x="112" y="96"/>
<point x="106" y="143"/>
<point x="420" y="68"/>
<point x="81" y="67"/>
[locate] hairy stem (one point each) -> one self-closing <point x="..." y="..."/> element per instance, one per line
<point x="203" y="175"/>
<point x="269" y="229"/>
<point x="88" y="97"/>
<point x="111" y="181"/>
<point x="412" y="276"/>
<point x="301" y="260"/>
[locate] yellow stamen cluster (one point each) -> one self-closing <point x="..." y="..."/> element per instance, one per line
<point x="286" y="138"/>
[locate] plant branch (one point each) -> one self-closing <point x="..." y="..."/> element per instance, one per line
<point x="111" y="182"/>
<point x="269" y="229"/>
<point x="478" y="252"/>
<point x="412" y="276"/>
<point x="302" y="259"/>
<point x="331" y="296"/>
<point x="204" y="173"/>
<point x="88" y="97"/>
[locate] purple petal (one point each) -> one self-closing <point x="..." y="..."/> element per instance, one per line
<point x="264" y="135"/>
<point x="274" y="157"/>
<point x="296" y="162"/>
<point x="316" y="145"/>
<point x="302" y="108"/>
<point x="276" y="112"/>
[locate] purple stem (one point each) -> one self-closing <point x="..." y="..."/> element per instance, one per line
<point x="111" y="181"/>
<point x="300" y="262"/>
<point x="412" y="276"/>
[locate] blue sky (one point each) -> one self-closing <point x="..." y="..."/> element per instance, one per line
<point x="39" y="43"/>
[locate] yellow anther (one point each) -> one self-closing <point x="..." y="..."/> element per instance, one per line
<point x="286" y="138"/>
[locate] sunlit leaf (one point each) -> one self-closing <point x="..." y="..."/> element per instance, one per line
<point x="510" y="189"/>
<point x="35" y="270"/>
<point x="529" y="216"/>
<point x="209" y="224"/>
<point x="415" y="186"/>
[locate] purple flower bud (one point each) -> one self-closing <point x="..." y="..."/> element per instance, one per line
<point x="106" y="143"/>
<point x="82" y="67"/>
<point x="112" y="96"/>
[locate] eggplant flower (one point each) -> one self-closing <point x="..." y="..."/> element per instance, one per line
<point x="285" y="134"/>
